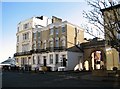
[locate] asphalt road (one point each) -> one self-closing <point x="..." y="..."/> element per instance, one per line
<point x="50" y="79"/>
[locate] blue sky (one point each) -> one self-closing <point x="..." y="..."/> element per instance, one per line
<point x="14" y="12"/>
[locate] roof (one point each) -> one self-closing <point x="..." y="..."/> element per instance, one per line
<point x="10" y="61"/>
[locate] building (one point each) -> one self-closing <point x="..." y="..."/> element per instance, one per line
<point x="54" y="45"/>
<point x="112" y="35"/>
<point x="25" y="33"/>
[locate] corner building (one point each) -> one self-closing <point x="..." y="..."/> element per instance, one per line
<point x="55" y="45"/>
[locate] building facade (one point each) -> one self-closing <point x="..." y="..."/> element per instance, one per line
<point x="112" y="35"/>
<point x="54" y="45"/>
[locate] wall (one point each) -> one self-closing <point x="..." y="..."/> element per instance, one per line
<point x="73" y="59"/>
<point x="72" y="33"/>
<point x="112" y="58"/>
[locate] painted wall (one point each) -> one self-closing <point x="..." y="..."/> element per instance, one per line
<point x="112" y="58"/>
<point x="74" y="59"/>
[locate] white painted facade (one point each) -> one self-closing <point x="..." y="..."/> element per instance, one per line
<point x="32" y="24"/>
<point x="73" y="58"/>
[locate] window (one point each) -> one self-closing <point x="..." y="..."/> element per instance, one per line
<point x="25" y="47"/>
<point x="26" y="36"/>
<point x="57" y="43"/>
<point x="22" y="61"/>
<point x="44" y="45"/>
<point x="38" y="35"/>
<point x="118" y="35"/>
<point x="34" y="35"/>
<point x="34" y="46"/>
<point x="63" y="29"/>
<point x="56" y="56"/>
<point x="38" y="45"/>
<point x="51" y="31"/>
<point x="38" y="60"/>
<point x="51" y="44"/>
<point x="26" y="25"/>
<point x="18" y="29"/>
<point x="57" y="31"/>
<point x="17" y="48"/>
<point x="51" y="59"/>
<point x="17" y="38"/>
<point x="63" y="43"/>
<point x="33" y="60"/>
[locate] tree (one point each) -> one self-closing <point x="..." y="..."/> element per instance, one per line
<point x="105" y="17"/>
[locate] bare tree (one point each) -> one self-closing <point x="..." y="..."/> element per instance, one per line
<point x="105" y="16"/>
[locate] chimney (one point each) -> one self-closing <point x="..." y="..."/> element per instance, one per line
<point x="56" y="19"/>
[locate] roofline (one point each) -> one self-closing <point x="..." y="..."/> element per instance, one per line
<point x="64" y="22"/>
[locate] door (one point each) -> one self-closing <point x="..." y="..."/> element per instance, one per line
<point x="44" y="60"/>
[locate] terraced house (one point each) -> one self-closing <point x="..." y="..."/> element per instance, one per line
<point x="49" y="42"/>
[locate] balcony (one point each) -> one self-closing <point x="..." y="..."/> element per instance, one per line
<point x="49" y="49"/>
<point x="23" y="53"/>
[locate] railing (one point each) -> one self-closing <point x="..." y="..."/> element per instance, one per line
<point x="49" y="49"/>
<point x="23" y="53"/>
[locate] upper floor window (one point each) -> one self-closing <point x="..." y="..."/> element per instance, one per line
<point x="17" y="49"/>
<point x="63" y="29"/>
<point x="51" y="31"/>
<point x="44" y="44"/>
<point x="57" y="31"/>
<point x="51" y="43"/>
<point x="34" y="46"/>
<point x="26" y="36"/>
<point x="25" y="47"/>
<point x="26" y="25"/>
<point x="38" y="45"/>
<point x="34" y="35"/>
<point x="118" y="36"/>
<point x="17" y="38"/>
<point x="57" y="42"/>
<point x="63" y="41"/>
<point x="17" y="29"/>
<point x="38" y="34"/>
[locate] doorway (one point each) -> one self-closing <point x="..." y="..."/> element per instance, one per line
<point x="44" y="61"/>
<point x="97" y="62"/>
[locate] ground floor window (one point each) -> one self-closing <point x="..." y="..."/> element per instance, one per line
<point x="33" y="59"/>
<point x="51" y="58"/>
<point x="57" y="57"/>
<point x="38" y="60"/>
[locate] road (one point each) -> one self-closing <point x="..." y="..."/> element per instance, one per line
<point x="51" y="79"/>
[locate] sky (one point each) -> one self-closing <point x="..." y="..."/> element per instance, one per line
<point x="14" y="12"/>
